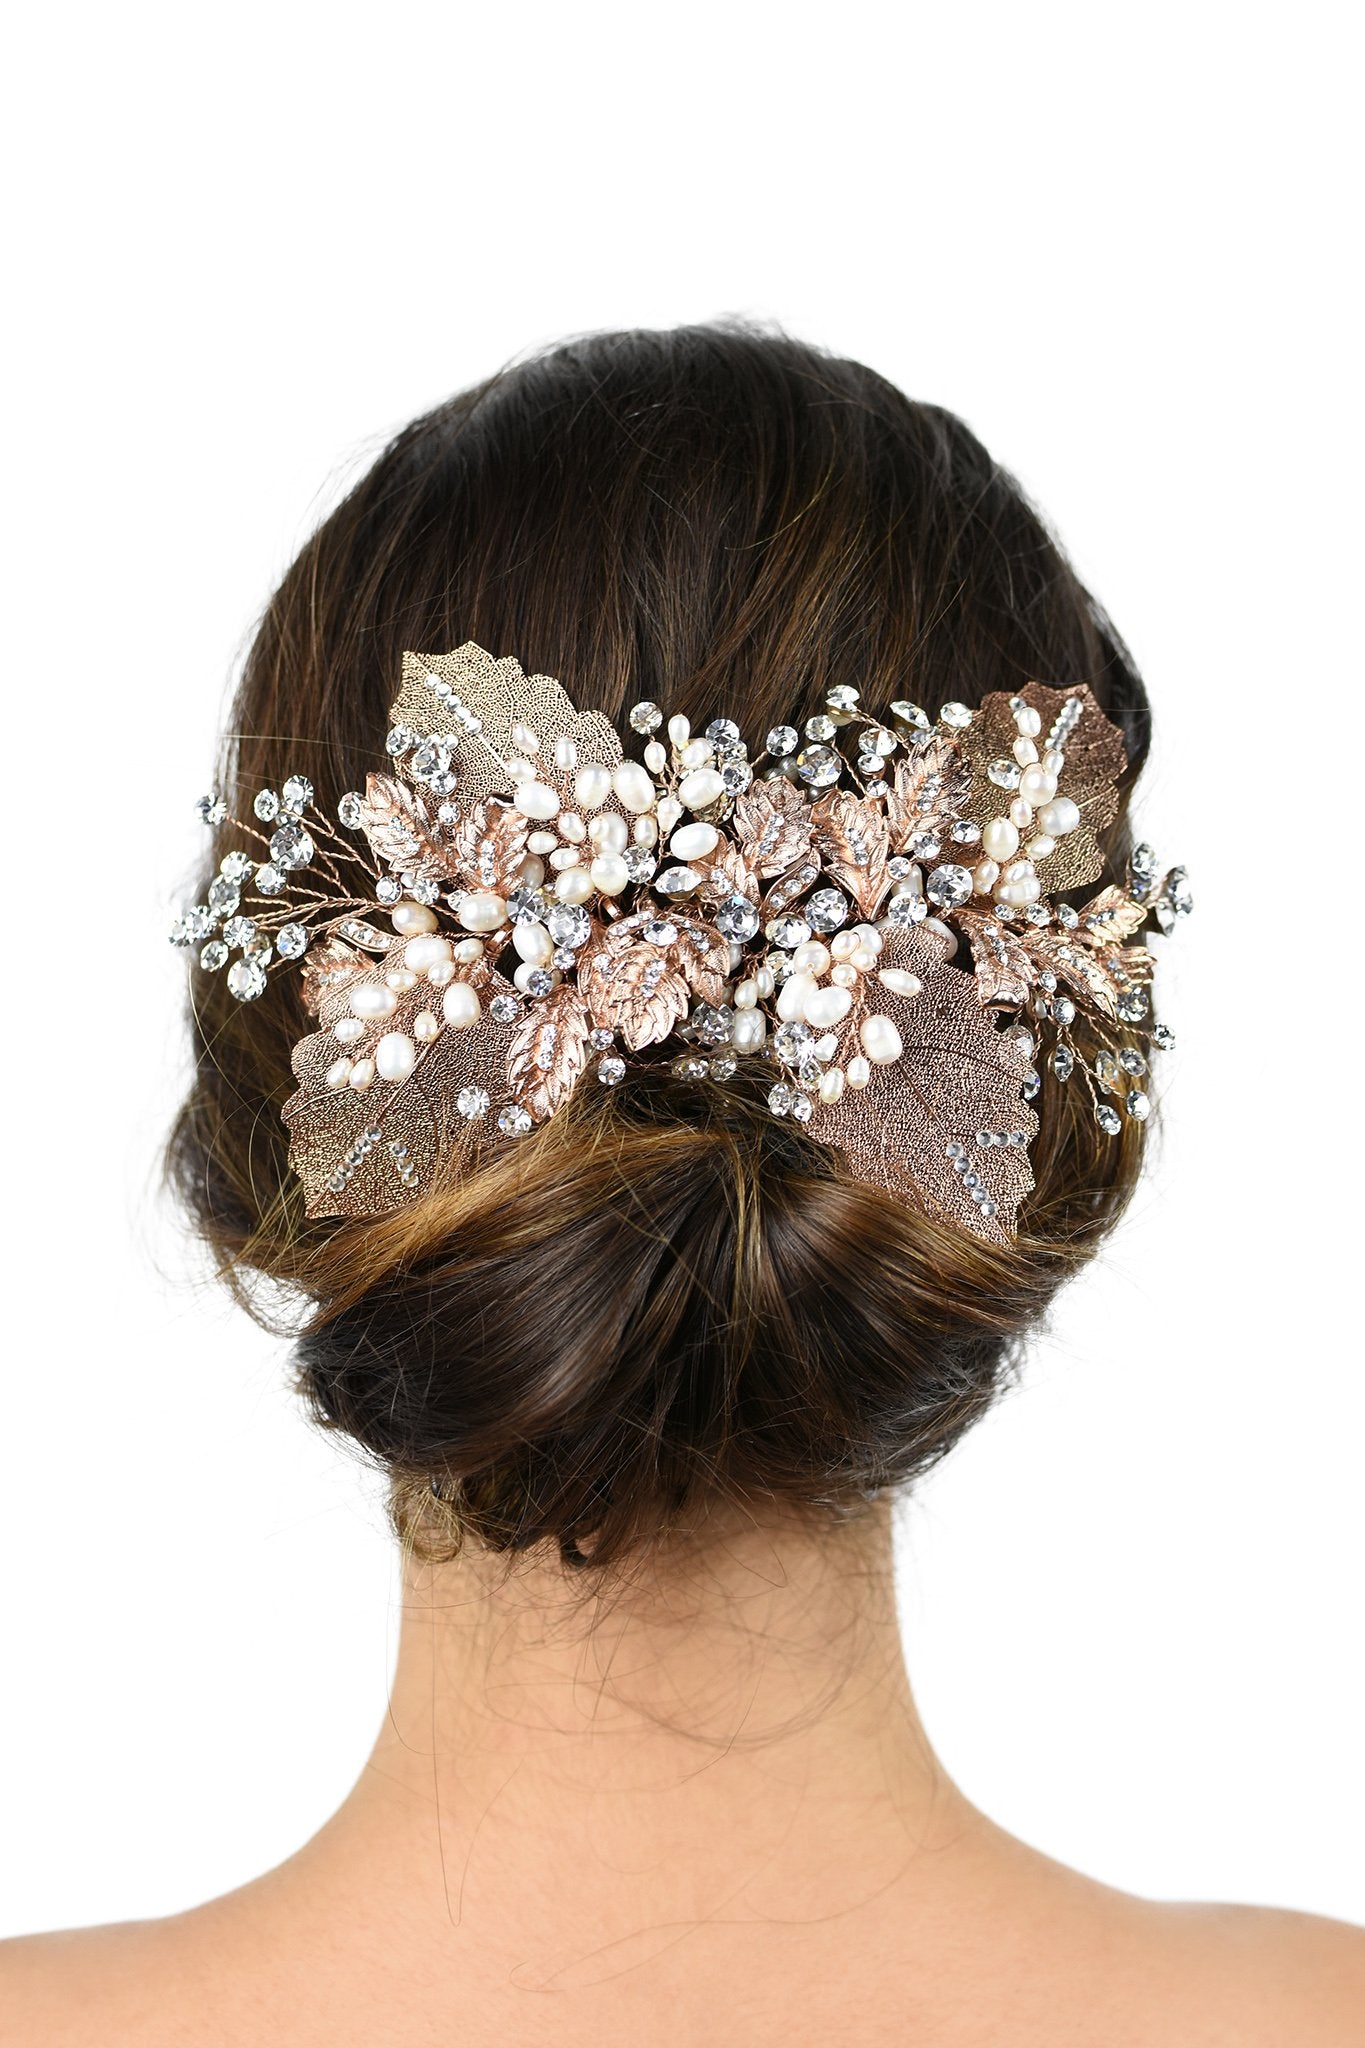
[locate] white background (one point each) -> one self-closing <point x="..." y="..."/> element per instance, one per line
<point x="247" y="243"/>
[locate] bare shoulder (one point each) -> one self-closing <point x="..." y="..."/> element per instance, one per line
<point x="1277" y="1976"/>
<point x="99" y="1987"/>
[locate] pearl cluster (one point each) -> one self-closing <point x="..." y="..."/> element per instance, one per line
<point x="1029" y="829"/>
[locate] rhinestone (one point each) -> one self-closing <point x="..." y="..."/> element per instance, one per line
<point x="246" y="980"/>
<point x="783" y="739"/>
<point x="955" y="716"/>
<point x="949" y="886"/>
<point x="1177" y="893"/>
<point x="214" y="956"/>
<point x="640" y="863"/>
<point x="600" y="1040"/>
<point x="1037" y="913"/>
<point x="954" y="1150"/>
<point x="898" y="867"/>
<point x="297" y="792"/>
<point x="801" y="1106"/>
<point x="819" y="766"/>
<point x="924" y="846"/>
<point x="971" y="1180"/>
<point x="211" y="809"/>
<point x="258" y="947"/>
<point x="513" y="1120"/>
<point x="1138" y="1104"/>
<point x="1106" y="1069"/>
<point x="1068" y="917"/>
<point x="826" y="910"/>
<point x="724" y="732"/>
<point x="1020" y="1035"/>
<point x="820" y="727"/>
<point x="1030" y="1085"/>
<point x="736" y="775"/>
<point x="199" y="922"/>
<point x="539" y="982"/>
<point x="1163" y="1036"/>
<point x="688" y="1067"/>
<point x="987" y="1207"/>
<point x="677" y="881"/>
<point x="788" y="931"/>
<point x="713" y="1022"/>
<point x="504" y="1009"/>
<point x="737" y="919"/>
<point x="965" y="831"/>
<point x="430" y="760"/>
<point x="1131" y="1060"/>
<point x="1142" y="860"/>
<point x="290" y="941"/>
<point x="791" y="1040"/>
<point x="869" y="764"/>
<point x="780" y="1099"/>
<point x="569" y="925"/>
<point x="267" y="805"/>
<point x="1004" y="774"/>
<point x="426" y="890"/>
<point x="270" y="879"/>
<point x="472" y="1103"/>
<point x="645" y="717"/>
<point x="235" y="867"/>
<point x="291" y="847"/>
<point x="350" y="810"/>
<point x="400" y="740"/>
<point x="565" y="958"/>
<point x="387" y="889"/>
<point x="659" y="932"/>
<point x="910" y="908"/>
<point x="723" y="1065"/>
<point x="224" y="896"/>
<point x="1063" y="1062"/>
<point x="843" y="697"/>
<point x="1064" y="1010"/>
<point x="238" y="930"/>
<point x="906" y="713"/>
<point x="611" y="1070"/>
<point x="1108" y="1119"/>
<point x="527" y="906"/>
<point x="1132" y="1005"/>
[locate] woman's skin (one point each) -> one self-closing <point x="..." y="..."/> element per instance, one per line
<point x="698" y="1809"/>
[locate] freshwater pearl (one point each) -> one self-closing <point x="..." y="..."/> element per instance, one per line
<point x="656" y="758"/>
<point x="460" y="1005"/>
<point x="865" y="959"/>
<point x="346" y="1030"/>
<point x="571" y="827"/>
<point x="372" y="999"/>
<point x="826" y="1006"/>
<point x="566" y="753"/>
<point x="831" y="1084"/>
<point x="1025" y="753"/>
<point x="338" y="1074"/>
<point x="564" y="857"/>
<point x="811" y="957"/>
<point x="880" y="1040"/>
<point x="467" y="950"/>
<point x="690" y="842"/>
<point x="531" y="941"/>
<point x="844" y="973"/>
<point x="1018" y="885"/>
<point x="702" y="787"/>
<point x="400" y="978"/>
<point x="858" y="1072"/>
<point x="542" y="842"/>
<point x="591" y="786"/>
<point x="697" y="754"/>
<point x="426" y="1027"/>
<point x="524" y="737"/>
<point x="1021" y="814"/>
<point x="633" y="785"/>
<point x="826" y="1047"/>
<point x="362" y="1073"/>
<point x="679" y="731"/>
<point x="985" y="875"/>
<point x="1059" y="817"/>
<point x="1053" y="760"/>
<point x="481" y="911"/>
<point x="408" y="918"/>
<point x="441" y="973"/>
<point x="536" y="799"/>
<point x="574" y="885"/>
<point x="644" y="832"/>
<point x="425" y="952"/>
<point x="609" y="832"/>
<point x="395" y="1056"/>
<point x="748" y="1030"/>
<point x="520" y="770"/>
<point x="746" y="995"/>
<point x="766" y="981"/>
<point x="531" y="873"/>
<point x="1036" y="786"/>
<point x="791" y="997"/>
<point x="844" y="945"/>
<point x="899" y="981"/>
<point x="609" y="874"/>
<point x="868" y="937"/>
<point x="1028" y="721"/>
<point x="1000" y="839"/>
<point x="669" y="812"/>
<point x="1040" y="846"/>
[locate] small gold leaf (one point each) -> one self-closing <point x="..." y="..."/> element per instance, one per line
<point x="548" y="1051"/>
<point x="849" y="834"/>
<point x="774" y="826"/>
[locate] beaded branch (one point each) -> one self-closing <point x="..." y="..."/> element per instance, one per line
<point x="872" y="907"/>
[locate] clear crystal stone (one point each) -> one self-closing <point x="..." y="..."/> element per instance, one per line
<point x="297" y="793"/>
<point x="504" y="1009"/>
<point x="1068" y="917"/>
<point x="737" y="919"/>
<point x="246" y="980"/>
<point x="801" y="1106"/>
<point x="909" y="907"/>
<point x="780" y="1098"/>
<point x="842" y="697"/>
<point x="611" y="1070"/>
<point x="291" y="847"/>
<point x="350" y="810"/>
<point x="723" y="732"/>
<point x="640" y="863"/>
<point x="826" y="910"/>
<point x="965" y="831"/>
<point x="600" y="1040"/>
<point x="689" y="1067"/>
<point x="1138" y="1104"/>
<point x="211" y="808"/>
<point x="426" y="890"/>
<point x="224" y="896"/>
<point x="736" y="775"/>
<point x="564" y="958"/>
<point x="1004" y="774"/>
<point x="783" y="739"/>
<point x="214" y="956"/>
<point x="472" y="1103"/>
<point x="539" y="982"/>
<point x="1131" y="1060"/>
<point x="1132" y="1005"/>
<point x="906" y="713"/>
<point x="1142" y="860"/>
<point x="791" y="1040"/>
<point x="949" y="886"/>
<point x="1064" y="1010"/>
<point x="1163" y="1036"/>
<point x="238" y="930"/>
<point x="1108" y="1119"/>
<point x="291" y="940"/>
<point x="387" y="889"/>
<point x="820" y="727"/>
<point x="645" y="717"/>
<point x="266" y="805"/>
<point x="513" y="1120"/>
<point x="723" y="1065"/>
<point x="712" y="1022"/>
<point x="527" y="906"/>
<point x="821" y="767"/>
<point x="659" y="932"/>
<point x="400" y="740"/>
<point x="924" y="846"/>
<point x="789" y="931"/>
<point x="431" y="759"/>
<point x="269" y="879"/>
<point x="1063" y="1062"/>
<point x="955" y="716"/>
<point x="1030" y="1085"/>
<point x="679" y="881"/>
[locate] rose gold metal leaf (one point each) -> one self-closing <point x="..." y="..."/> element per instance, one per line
<point x="548" y="1051"/>
<point x="490" y="846"/>
<point x="726" y="873"/>
<point x="930" y="787"/>
<point x="1094" y="763"/>
<point x="1113" y="916"/>
<point x="394" y="820"/>
<point x="635" y="989"/>
<point x="330" y="967"/>
<point x="1004" y="968"/>
<point x="773" y="822"/>
<point x="849" y="833"/>
<point x="958" y="1075"/>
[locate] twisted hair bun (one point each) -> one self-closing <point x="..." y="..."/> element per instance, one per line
<point x="664" y="1295"/>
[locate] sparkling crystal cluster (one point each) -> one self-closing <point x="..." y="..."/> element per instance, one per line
<point x="872" y="906"/>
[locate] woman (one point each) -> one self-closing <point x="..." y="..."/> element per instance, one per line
<point x="673" y="1076"/>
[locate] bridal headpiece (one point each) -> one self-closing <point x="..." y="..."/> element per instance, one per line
<point x="872" y="906"/>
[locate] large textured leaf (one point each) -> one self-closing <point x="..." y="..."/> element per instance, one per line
<point x="635" y="989"/>
<point x="1094" y="762"/>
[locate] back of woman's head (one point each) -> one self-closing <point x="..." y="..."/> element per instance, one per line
<point x="663" y="1297"/>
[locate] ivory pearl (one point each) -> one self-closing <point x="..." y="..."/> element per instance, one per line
<point x="791" y="997"/>
<point x="868" y="937"/>
<point x="679" y="731"/>
<point x="609" y="874"/>
<point x="1059" y="817"/>
<point x="372" y="999"/>
<point x="985" y="875"/>
<point x="574" y="885"/>
<point x="690" y="842"/>
<point x="1040" y="846"/>
<point x="826" y="1006"/>
<point x="1025" y="753"/>
<point x="844" y="973"/>
<point x="571" y="827"/>
<point x="592" y="786"/>
<point x="766" y="982"/>
<point x="520" y="770"/>
<point x="644" y="832"/>
<point x="831" y="1085"/>
<point x="395" y="1056"/>
<point x="1054" y="760"/>
<point x="564" y="857"/>
<point x="1000" y="839"/>
<point x="746" y="995"/>
<point x="1021" y="814"/>
<point x="531" y="873"/>
<point x="1036" y="786"/>
<point x="531" y="941"/>
<point x="858" y="1072"/>
<point x="537" y="800"/>
<point x="748" y="1030"/>
<point x="542" y="842"/>
<point x="338" y="1074"/>
<point x="460" y="1005"/>
<point x="701" y="787"/>
<point x="566" y="753"/>
<point x="526" y="738"/>
<point x="441" y="973"/>
<point x="656" y="758"/>
<point x="698" y="754"/>
<point x="844" y="945"/>
<point x="1028" y="721"/>
<point x="633" y="785"/>
<point x="826" y="1047"/>
<point x="899" y="981"/>
<point x="609" y="832"/>
<point x="466" y="950"/>
<point x="669" y="812"/>
<point x="362" y="1073"/>
<point x="427" y="951"/>
<point x="400" y="978"/>
<point x="811" y="957"/>
<point x="865" y="959"/>
<point x="346" y="1030"/>
<point x="426" y="1027"/>
<point x="880" y="1040"/>
<point x="481" y="911"/>
<point x="409" y="918"/>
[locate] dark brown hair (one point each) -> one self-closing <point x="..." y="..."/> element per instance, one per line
<point x="665" y="1296"/>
